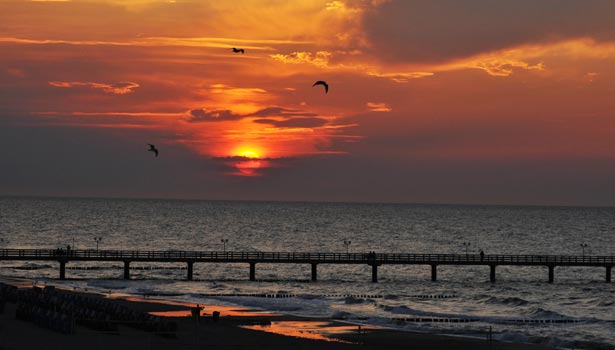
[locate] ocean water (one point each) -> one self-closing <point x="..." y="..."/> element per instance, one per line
<point x="520" y="306"/>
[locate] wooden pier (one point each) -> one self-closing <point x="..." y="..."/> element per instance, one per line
<point x="373" y="260"/>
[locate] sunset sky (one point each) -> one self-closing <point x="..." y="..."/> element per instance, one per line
<point x="431" y="101"/>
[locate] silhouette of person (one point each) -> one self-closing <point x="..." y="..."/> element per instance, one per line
<point x="482" y="255"/>
<point x="197" y="312"/>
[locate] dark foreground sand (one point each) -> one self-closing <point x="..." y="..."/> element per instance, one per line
<point x="225" y="334"/>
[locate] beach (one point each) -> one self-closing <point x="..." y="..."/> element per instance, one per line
<point x="228" y="332"/>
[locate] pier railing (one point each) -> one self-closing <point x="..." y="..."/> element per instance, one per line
<point x="380" y="258"/>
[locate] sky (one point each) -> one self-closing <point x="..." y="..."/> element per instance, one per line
<point x="429" y="101"/>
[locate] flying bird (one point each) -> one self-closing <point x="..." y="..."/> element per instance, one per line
<point x="153" y="148"/>
<point x="323" y="83"/>
<point x="238" y="50"/>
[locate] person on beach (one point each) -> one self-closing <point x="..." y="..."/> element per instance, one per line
<point x="196" y="313"/>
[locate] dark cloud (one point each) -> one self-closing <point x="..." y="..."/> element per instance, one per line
<point x="281" y="112"/>
<point x="295" y="117"/>
<point x="436" y="30"/>
<point x="294" y="123"/>
<point x="217" y="115"/>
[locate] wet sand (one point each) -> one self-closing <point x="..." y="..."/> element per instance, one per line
<point x="236" y="329"/>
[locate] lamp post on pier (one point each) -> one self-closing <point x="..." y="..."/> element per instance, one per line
<point x="347" y="244"/>
<point x="224" y="242"/>
<point x="583" y="246"/>
<point x="98" y="240"/>
<point x="467" y="245"/>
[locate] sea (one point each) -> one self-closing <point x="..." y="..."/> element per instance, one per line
<point x="577" y="311"/>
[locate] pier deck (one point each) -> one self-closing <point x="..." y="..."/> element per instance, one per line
<point x="252" y="258"/>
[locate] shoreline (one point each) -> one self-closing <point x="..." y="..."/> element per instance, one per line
<point x="230" y="332"/>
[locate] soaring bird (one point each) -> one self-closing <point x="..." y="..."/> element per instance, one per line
<point x="238" y="50"/>
<point x="153" y="148"/>
<point x="323" y="83"/>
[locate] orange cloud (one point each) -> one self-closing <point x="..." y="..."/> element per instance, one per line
<point x="318" y="59"/>
<point x="121" y="88"/>
<point x="378" y="107"/>
<point x="537" y="57"/>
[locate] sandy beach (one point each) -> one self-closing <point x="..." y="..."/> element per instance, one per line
<point x="235" y="329"/>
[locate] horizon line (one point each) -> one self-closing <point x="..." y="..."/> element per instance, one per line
<point x="136" y="198"/>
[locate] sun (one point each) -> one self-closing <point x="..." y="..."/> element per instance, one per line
<point x="248" y="152"/>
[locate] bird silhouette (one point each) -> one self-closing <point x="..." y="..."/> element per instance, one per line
<point x="323" y="83"/>
<point x="153" y="148"/>
<point x="238" y="50"/>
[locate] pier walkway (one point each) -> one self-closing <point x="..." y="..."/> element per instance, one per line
<point x="374" y="260"/>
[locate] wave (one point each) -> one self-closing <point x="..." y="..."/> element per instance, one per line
<point x="31" y="266"/>
<point x="353" y="300"/>
<point x="510" y="301"/>
<point x="540" y="313"/>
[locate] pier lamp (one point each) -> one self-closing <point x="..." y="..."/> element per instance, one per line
<point x="347" y="244"/>
<point x="97" y="239"/>
<point x="467" y="245"/>
<point x="224" y="242"/>
<point x="583" y="246"/>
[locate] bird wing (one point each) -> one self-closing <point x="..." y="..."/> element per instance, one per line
<point x="323" y="83"/>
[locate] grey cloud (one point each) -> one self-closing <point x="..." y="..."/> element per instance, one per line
<point x="202" y="115"/>
<point x="437" y="30"/>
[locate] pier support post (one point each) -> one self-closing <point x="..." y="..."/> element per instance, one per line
<point x="492" y="273"/>
<point x="314" y="271"/>
<point x="252" y="271"/>
<point x="434" y="272"/>
<point x="190" y="266"/>
<point x="551" y="273"/>
<point x="126" y="270"/>
<point x="62" y="270"/>
<point x="374" y="273"/>
<point x="608" y="274"/>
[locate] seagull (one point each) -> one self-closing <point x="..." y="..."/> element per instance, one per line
<point x="238" y="50"/>
<point x="323" y="83"/>
<point x="153" y="148"/>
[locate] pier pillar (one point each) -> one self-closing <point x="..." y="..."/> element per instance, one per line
<point x="492" y="273"/>
<point x="252" y="271"/>
<point x="314" y="271"/>
<point x="608" y="274"/>
<point x="62" y="270"/>
<point x="190" y="266"/>
<point x="434" y="272"/>
<point x="551" y="273"/>
<point x="126" y="270"/>
<point x="374" y="273"/>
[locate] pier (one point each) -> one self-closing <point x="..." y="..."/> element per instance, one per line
<point x="373" y="260"/>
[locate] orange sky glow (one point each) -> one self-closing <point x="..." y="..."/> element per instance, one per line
<point x="401" y="90"/>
